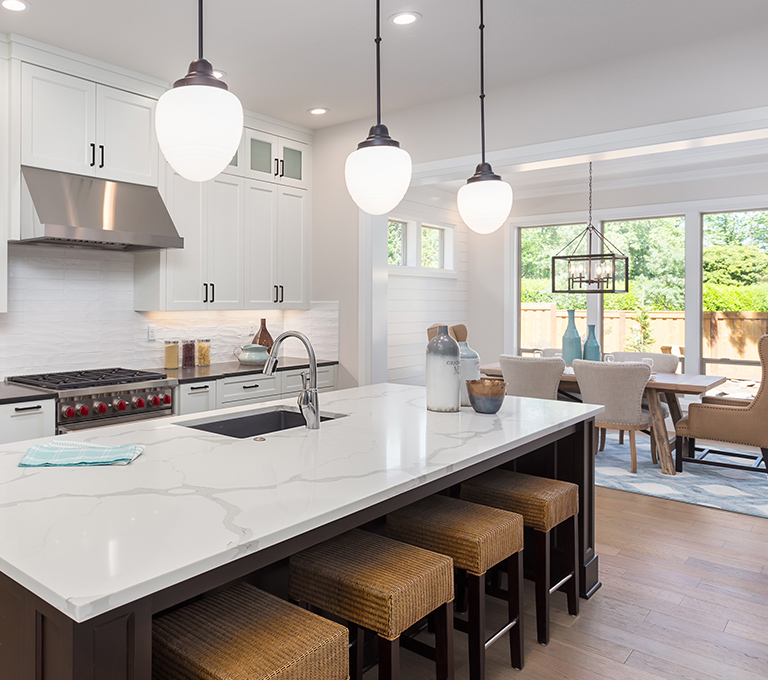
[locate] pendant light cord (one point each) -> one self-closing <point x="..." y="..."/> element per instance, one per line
<point x="199" y="29"/>
<point x="378" y="61"/>
<point x="482" y="83"/>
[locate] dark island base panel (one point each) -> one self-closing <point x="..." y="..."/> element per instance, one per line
<point x="38" y="642"/>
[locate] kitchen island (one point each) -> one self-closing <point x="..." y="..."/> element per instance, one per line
<point x="88" y="555"/>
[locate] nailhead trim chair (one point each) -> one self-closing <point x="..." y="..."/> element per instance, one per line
<point x="243" y="633"/>
<point x="733" y="421"/>
<point x="381" y="585"/>
<point x="544" y="504"/>
<point x="477" y="538"/>
<point x="531" y="377"/>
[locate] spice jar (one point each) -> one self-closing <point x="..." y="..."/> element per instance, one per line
<point x="188" y="353"/>
<point x="171" y="354"/>
<point x="204" y="352"/>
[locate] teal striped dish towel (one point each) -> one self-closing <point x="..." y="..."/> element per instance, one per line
<point x="67" y="452"/>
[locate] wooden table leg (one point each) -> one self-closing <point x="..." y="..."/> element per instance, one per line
<point x="674" y="406"/>
<point x="660" y="432"/>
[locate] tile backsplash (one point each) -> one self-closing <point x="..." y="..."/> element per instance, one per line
<point x="71" y="308"/>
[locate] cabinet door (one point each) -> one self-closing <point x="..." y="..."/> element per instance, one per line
<point x="27" y="420"/>
<point x="293" y="274"/>
<point x="225" y="242"/>
<point x="260" y="238"/>
<point x="125" y="135"/>
<point x="58" y="121"/>
<point x="187" y="268"/>
<point x="195" y="397"/>
<point x="237" y="164"/>
<point x="294" y="163"/>
<point x="261" y="155"/>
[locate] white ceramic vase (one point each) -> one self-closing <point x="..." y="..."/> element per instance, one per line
<point x="470" y="369"/>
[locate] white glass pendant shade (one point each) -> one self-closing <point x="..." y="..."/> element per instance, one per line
<point x="378" y="177"/>
<point x="485" y="205"/>
<point x="198" y="129"/>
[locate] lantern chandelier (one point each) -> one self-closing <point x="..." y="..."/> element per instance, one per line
<point x="598" y="270"/>
<point x="199" y="122"/>
<point x="485" y="201"/>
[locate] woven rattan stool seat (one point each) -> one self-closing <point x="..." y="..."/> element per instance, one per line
<point x="372" y="581"/>
<point x="477" y="537"/>
<point x="544" y="503"/>
<point x="243" y="633"/>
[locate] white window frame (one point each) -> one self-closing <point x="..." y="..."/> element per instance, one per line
<point x="412" y="265"/>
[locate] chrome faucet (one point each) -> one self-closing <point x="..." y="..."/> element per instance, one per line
<point x="308" y="398"/>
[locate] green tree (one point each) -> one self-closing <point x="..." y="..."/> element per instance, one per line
<point x="735" y="264"/>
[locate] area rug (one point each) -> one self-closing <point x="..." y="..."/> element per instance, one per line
<point x="734" y="490"/>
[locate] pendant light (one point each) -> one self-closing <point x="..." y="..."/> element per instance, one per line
<point x="378" y="173"/>
<point x="199" y="122"/>
<point x="485" y="200"/>
<point x="600" y="270"/>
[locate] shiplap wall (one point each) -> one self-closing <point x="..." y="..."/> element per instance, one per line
<point x="416" y="301"/>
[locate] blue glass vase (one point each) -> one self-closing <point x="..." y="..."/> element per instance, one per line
<point x="571" y="340"/>
<point x="592" y="346"/>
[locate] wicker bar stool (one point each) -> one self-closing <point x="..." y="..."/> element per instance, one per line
<point x="544" y="504"/>
<point x="380" y="585"/>
<point x="243" y="633"/>
<point x="477" y="537"/>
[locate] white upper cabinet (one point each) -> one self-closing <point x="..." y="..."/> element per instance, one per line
<point x="77" y="126"/>
<point x="275" y="159"/>
<point x="225" y="242"/>
<point x="293" y="249"/>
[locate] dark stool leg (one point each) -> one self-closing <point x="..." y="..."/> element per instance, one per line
<point x="571" y="527"/>
<point x="515" y="607"/>
<point x="357" y="635"/>
<point x="460" y="577"/>
<point x="542" y="584"/>
<point x="476" y="642"/>
<point x="444" y="641"/>
<point x="389" y="659"/>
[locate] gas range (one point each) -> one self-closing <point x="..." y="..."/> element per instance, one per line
<point x="105" y="396"/>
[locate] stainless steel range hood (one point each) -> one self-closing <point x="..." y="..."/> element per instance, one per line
<point x="63" y="209"/>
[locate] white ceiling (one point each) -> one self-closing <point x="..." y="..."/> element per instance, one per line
<point x="285" y="56"/>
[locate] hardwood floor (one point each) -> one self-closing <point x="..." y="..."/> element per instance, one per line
<point x="684" y="597"/>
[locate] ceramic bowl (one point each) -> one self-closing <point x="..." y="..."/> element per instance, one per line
<point x="486" y="396"/>
<point x="251" y="354"/>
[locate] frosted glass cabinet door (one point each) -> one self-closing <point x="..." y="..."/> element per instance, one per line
<point x="58" y="121"/>
<point x="261" y="205"/>
<point x="127" y="145"/>
<point x="293" y="163"/>
<point x="261" y="151"/>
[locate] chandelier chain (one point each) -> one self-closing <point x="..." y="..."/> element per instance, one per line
<point x="590" y="194"/>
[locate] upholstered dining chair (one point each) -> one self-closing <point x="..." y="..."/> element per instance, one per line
<point x="618" y="387"/>
<point x="662" y="363"/>
<point x="733" y="421"/>
<point x="529" y="377"/>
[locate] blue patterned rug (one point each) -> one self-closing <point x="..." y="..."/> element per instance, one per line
<point x="715" y="487"/>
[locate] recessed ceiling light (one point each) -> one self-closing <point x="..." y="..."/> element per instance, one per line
<point x="405" y="18"/>
<point x="219" y="74"/>
<point x="16" y="5"/>
<point x="318" y="110"/>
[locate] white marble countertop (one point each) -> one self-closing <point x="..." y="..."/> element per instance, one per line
<point x="90" y="539"/>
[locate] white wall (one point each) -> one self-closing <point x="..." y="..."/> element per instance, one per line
<point x="72" y="308"/>
<point x="686" y="81"/>
<point x="417" y="300"/>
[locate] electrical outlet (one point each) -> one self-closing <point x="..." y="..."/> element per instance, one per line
<point x="151" y="333"/>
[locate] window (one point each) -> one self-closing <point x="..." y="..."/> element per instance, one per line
<point x="735" y="293"/>
<point x="651" y="316"/>
<point x="421" y="248"/>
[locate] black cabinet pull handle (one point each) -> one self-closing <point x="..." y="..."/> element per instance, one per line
<point x="199" y="387"/>
<point x="277" y="167"/>
<point x="213" y="292"/>
<point x="282" y="291"/>
<point x="282" y="168"/>
<point x="93" y="154"/>
<point x="101" y="149"/>
<point x="205" y="299"/>
<point x="274" y="290"/>
<point x="250" y="387"/>
<point x="20" y="409"/>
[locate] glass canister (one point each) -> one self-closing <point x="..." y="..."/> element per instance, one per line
<point x="204" y="352"/>
<point x="171" y="355"/>
<point x="188" y="353"/>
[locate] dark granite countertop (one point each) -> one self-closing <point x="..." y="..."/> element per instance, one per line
<point x="227" y="369"/>
<point x="12" y="394"/>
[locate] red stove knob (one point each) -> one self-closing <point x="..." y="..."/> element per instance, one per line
<point x="100" y="407"/>
<point x="139" y="402"/>
<point x="68" y="412"/>
<point x="83" y="410"/>
<point x="120" y="405"/>
<point x="167" y="399"/>
<point x="155" y="401"/>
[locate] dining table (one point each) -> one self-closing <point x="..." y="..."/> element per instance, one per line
<point x="671" y="385"/>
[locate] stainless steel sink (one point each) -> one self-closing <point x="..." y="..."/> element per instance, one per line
<point x="255" y="424"/>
